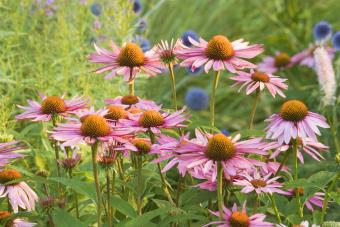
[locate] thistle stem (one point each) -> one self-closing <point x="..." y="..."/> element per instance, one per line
<point x="220" y="188"/>
<point x="173" y="83"/>
<point x="326" y="199"/>
<point x="94" y="149"/>
<point x="108" y="194"/>
<point x="212" y="101"/>
<point x="252" y="113"/>
<point x="297" y="194"/>
<point x="277" y="214"/>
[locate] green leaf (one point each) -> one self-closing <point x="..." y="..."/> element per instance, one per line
<point x="249" y="132"/>
<point x="321" y="178"/>
<point x="123" y="206"/>
<point x="182" y="218"/>
<point x="63" y="218"/>
<point x="335" y="196"/>
<point x="79" y="186"/>
<point x="298" y="183"/>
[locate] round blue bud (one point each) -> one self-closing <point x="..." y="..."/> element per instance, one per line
<point x="197" y="99"/>
<point x="322" y="30"/>
<point x="141" y="27"/>
<point x="137" y="6"/>
<point x="197" y="71"/>
<point x="336" y="40"/>
<point x="225" y="132"/>
<point x="96" y="9"/>
<point x="145" y="45"/>
<point x="186" y="35"/>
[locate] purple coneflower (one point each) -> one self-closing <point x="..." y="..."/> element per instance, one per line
<point x="219" y="54"/>
<point x="316" y="199"/>
<point x="272" y="64"/>
<point x="132" y="101"/>
<point x="6" y="152"/>
<point x="306" y="57"/>
<point x="51" y="106"/>
<point x="5" y="219"/>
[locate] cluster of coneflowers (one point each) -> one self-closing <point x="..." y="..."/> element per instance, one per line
<point x="132" y="128"/>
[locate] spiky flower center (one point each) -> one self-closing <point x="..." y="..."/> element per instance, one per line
<point x="4" y="215"/>
<point x="151" y="118"/>
<point x="129" y="100"/>
<point x="260" y="77"/>
<point x="8" y="175"/>
<point x="219" y="48"/>
<point x="300" y="190"/>
<point x="135" y="110"/>
<point x="53" y="105"/>
<point x="115" y="113"/>
<point x="167" y="56"/>
<point x="131" y="55"/>
<point x="258" y="183"/>
<point x="107" y="159"/>
<point x="95" y="126"/>
<point x="293" y="110"/>
<point x="220" y="148"/>
<point x="281" y="60"/>
<point x="239" y="219"/>
<point x="142" y="145"/>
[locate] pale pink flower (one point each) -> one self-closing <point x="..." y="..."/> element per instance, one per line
<point x="308" y="146"/>
<point x="302" y="224"/>
<point x="18" y="193"/>
<point x="154" y="120"/>
<point x="6" y="152"/>
<point x="293" y="121"/>
<point x="256" y="80"/>
<point x="133" y="102"/>
<point x="207" y="149"/>
<point x="234" y="217"/>
<point x="89" y="128"/>
<point x="51" y="106"/>
<point x="272" y="167"/>
<point x="219" y="54"/>
<point x="18" y="222"/>
<point x="260" y="184"/>
<point x="279" y="61"/>
<point x="167" y="51"/>
<point x="127" y="60"/>
<point x="316" y="199"/>
<point x="306" y="56"/>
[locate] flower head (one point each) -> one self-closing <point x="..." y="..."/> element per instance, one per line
<point x="133" y="102"/>
<point x="322" y="30"/>
<point x="260" y="184"/>
<point x="206" y="150"/>
<point x="69" y="163"/>
<point x="18" y="193"/>
<point x="272" y="64"/>
<point x="219" y="54"/>
<point x="91" y="126"/>
<point x="336" y="40"/>
<point x="6" y="152"/>
<point x="7" y="221"/>
<point x="185" y="37"/>
<point x="51" y="106"/>
<point x="154" y="120"/>
<point x="316" y="199"/>
<point x="137" y="6"/>
<point x="166" y="51"/>
<point x="96" y="9"/>
<point x="197" y="99"/>
<point x="234" y="217"/>
<point x="294" y="120"/>
<point x="127" y="60"/>
<point x="306" y="57"/>
<point x="256" y="80"/>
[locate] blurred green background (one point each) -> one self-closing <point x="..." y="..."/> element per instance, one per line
<point x="47" y="54"/>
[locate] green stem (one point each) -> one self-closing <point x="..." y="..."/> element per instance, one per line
<point x="173" y="84"/>
<point x="181" y="180"/>
<point x="75" y="197"/>
<point x="284" y="160"/>
<point x="94" y="149"/>
<point x="113" y="186"/>
<point x="252" y="113"/>
<point x="326" y="199"/>
<point x="277" y="214"/>
<point x="139" y="167"/>
<point x="220" y="188"/>
<point x="296" y="164"/>
<point x="131" y="84"/>
<point x="108" y="194"/>
<point x="164" y="184"/>
<point x="212" y="100"/>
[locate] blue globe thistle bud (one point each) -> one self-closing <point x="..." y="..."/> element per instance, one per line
<point x="197" y="71"/>
<point x="186" y="35"/>
<point x="142" y="24"/>
<point x="96" y="9"/>
<point x="225" y="132"/>
<point x="137" y="6"/>
<point x="322" y="30"/>
<point x="197" y="99"/>
<point x="336" y="40"/>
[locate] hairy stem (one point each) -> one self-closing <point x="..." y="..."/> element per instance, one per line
<point x="276" y="211"/>
<point x="220" y="188"/>
<point x="212" y="100"/>
<point x="173" y="84"/>
<point x="296" y="164"/>
<point x="94" y="149"/>
<point x="253" y="111"/>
